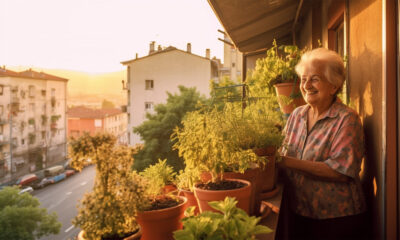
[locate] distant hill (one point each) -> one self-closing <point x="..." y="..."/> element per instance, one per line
<point x="87" y="88"/>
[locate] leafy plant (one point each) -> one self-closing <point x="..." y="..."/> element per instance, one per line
<point x="31" y="121"/>
<point x="277" y="67"/>
<point x="44" y="119"/>
<point x="54" y="118"/>
<point x="187" y="178"/>
<point x="231" y="224"/>
<point x="110" y="209"/>
<point x="157" y="176"/>
<point x="22" y="218"/>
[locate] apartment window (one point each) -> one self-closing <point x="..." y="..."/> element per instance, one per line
<point x="44" y="93"/>
<point x="23" y="142"/>
<point x="97" y="123"/>
<point x="149" y="84"/>
<point x="31" y="91"/>
<point x="233" y="65"/>
<point x="1" y="89"/>
<point x="31" y="107"/>
<point x="53" y="92"/>
<point x="148" y="105"/>
<point x="1" y="110"/>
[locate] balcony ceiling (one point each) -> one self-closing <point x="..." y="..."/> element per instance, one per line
<point x="253" y="24"/>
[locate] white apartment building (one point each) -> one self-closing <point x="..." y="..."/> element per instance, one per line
<point x="32" y="121"/>
<point x="150" y="77"/>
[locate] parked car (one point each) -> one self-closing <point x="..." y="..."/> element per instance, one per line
<point x="69" y="172"/>
<point x="43" y="183"/>
<point x="53" y="171"/>
<point x="59" y="177"/>
<point x="27" y="189"/>
<point x="27" y="179"/>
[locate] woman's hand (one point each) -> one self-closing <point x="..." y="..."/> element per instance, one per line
<point x="318" y="170"/>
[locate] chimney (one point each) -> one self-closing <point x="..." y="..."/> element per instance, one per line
<point x="137" y="56"/>
<point x="189" y="48"/>
<point x="152" y="47"/>
<point x="159" y="48"/>
<point x="208" y="53"/>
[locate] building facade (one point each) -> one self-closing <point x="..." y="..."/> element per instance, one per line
<point x="83" y="119"/>
<point x="149" y="78"/>
<point x="32" y="121"/>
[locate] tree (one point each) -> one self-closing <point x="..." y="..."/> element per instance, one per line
<point x="107" y="104"/>
<point x="158" y="127"/>
<point x="21" y="218"/>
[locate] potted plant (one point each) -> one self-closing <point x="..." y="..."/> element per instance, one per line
<point x="162" y="213"/>
<point x="230" y="223"/>
<point x="185" y="181"/>
<point x="161" y="176"/>
<point x="108" y="212"/>
<point x="277" y="70"/>
<point x="204" y="146"/>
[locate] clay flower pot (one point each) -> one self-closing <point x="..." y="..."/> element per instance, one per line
<point x="191" y="200"/>
<point x="287" y="90"/>
<point x="242" y="195"/>
<point x="160" y="224"/>
<point x="268" y="175"/>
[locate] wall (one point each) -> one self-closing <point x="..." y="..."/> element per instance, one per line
<point x="81" y="125"/>
<point x="168" y="70"/>
<point x="365" y="88"/>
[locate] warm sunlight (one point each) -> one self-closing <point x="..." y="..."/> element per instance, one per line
<point x="95" y="36"/>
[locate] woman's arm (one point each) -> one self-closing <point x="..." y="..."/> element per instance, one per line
<point x="314" y="169"/>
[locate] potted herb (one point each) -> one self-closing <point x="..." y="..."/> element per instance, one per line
<point x="230" y="223"/>
<point x="277" y="70"/>
<point x="162" y="213"/>
<point x="108" y="212"/>
<point x="161" y="176"/>
<point x="185" y="181"/>
<point x="204" y="146"/>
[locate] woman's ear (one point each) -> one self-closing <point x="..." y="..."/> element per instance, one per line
<point x="333" y="90"/>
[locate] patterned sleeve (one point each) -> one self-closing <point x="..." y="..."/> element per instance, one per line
<point x="347" y="149"/>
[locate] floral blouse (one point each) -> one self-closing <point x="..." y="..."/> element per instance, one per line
<point x="336" y="139"/>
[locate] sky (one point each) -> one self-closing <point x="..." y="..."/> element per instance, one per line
<point x="94" y="36"/>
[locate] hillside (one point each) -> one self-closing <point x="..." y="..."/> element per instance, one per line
<point x="87" y="88"/>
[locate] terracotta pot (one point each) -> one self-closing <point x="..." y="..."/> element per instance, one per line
<point x="242" y="195"/>
<point x="168" y="188"/>
<point x="160" y="224"/>
<point x="286" y="89"/>
<point x="252" y="175"/>
<point x="135" y="236"/>
<point x="191" y="200"/>
<point x="268" y="175"/>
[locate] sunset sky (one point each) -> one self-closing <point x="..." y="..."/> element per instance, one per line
<point x="96" y="35"/>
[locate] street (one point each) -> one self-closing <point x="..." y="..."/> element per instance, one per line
<point x="63" y="198"/>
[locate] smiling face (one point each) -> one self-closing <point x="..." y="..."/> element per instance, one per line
<point x="314" y="86"/>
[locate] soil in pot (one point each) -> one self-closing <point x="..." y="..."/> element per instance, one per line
<point x="163" y="201"/>
<point x="161" y="223"/>
<point x="239" y="189"/>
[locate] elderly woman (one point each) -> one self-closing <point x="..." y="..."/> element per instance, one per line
<point x="322" y="154"/>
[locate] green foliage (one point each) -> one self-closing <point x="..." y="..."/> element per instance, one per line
<point x="158" y="127"/>
<point x="231" y="224"/>
<point x="54" y="118"/>
<point x="187" y="178"/>
<point x="107" y="104"/>
<point x="110" y="209"/>
<point x="157" y="176"/>
<point x="226" y="90"/>
<point x="277" y="67"/>
<point x="21" y="218"/>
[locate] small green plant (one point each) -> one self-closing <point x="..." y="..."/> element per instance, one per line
<point x="231" y="223"/>
<point x="44" y="119"/>
<point x="54" y="118"/>
<point x="277" y="67"/>
<point x="31" y="121"/>
<point x="187" y="178"/>
<point x="157" y="176"/>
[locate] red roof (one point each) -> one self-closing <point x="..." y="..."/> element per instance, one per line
<point x="29" y="74"/>
<point x="85" y="112"/>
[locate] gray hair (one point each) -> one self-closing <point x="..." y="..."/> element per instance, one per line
<point x="333" y="63"/>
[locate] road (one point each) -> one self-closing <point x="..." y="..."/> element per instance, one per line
<point x="63" y="198"/>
